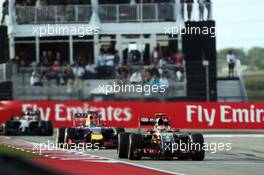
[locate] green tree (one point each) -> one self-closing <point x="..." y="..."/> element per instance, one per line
<point x="256" y="57"/>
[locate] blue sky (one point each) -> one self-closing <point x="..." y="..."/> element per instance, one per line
<point x="240" y="23"/>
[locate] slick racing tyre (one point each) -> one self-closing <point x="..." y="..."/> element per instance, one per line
<point x="49" y="128"/>
<point x="122" y="145"/>
<point x="197" y="149"/>
<point x="70" y="134"/>
<point x="8" y="125"/>
<point x="135" y="143"/>
<point x="61" y="137"/>
<point x="46" y="128"/>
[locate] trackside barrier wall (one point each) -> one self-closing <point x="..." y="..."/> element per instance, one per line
<point x="240" y="116"/>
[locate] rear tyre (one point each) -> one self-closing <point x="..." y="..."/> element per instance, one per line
<point x="43" y="128"/>
<point x="61" y="137"/>
<point x="70" y="134"/>
<point x="46" y="128"/>
<point x="122" y="145"/>
<point x="135" y="143"/>
<point x="199" y="153"/>
<point x="49" y="128"/>
<point x="8" y="125"/>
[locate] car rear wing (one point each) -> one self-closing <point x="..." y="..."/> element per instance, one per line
<point x="151" y="121"/>
<point x="31" y="113"/>
<point x="80" y="115"/>
<point x="85" y="114"/>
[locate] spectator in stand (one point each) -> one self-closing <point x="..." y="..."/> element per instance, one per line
<point x="81" y="61"/>
<point x="44" y="60"/>
<point x="33" y="64"/>
<point x="122" y="72"/>
<point x="58" y="58"/>
<point x="90" y="70"/>
<point x="78" y="71"/>
<point x="23" y="63"/>
<point x="110" y="58"/>
<point x="4" y="11"/>
<point x="136" y="77"/>
<point x="101" y="63"/>
<point x="35" y="79"/>
<point x="208" y="7"/>
<point x="50" y="56"/>
<point x="201" y="9"/>
<point x="189" y="9"/>
<point x="40" y="4"/>
<point x="68" y="73"/>
<point x="154" y="70"/>
<point x="179" y="57"/>
<point x="156" y="54"/>
<point x="164" y="81"/>
<point x="60" y="79"/>
<point x="179" y="75"/>
<point x="154" y="80"/>
<point x="231" y="61"/>
<point x="53" y="72"/>
<point x="162" y="62"/>
<point x="56" y="65"/>
<point x="182" y="8"/>
<point x="117" y="58"/>
<point x="132" y="2"/>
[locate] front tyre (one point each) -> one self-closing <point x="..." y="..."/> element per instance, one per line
<point x="198" y="153"/>
<point x="50" y="128"/>
<point x="61" y="137"/>
<point x="122" y="145"/>
<point x="135" y="143"/>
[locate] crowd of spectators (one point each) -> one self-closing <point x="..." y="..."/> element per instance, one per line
<point x="53" y="67"/>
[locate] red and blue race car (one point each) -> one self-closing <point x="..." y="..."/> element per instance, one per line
<point x="88" y="130"/>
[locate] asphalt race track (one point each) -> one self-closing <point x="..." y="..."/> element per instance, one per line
<point x="245" y="158"/>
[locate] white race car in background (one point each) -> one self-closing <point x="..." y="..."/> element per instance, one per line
<point x="29" y="123"/>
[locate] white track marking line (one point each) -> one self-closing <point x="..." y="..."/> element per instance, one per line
<point x="151" y="168"/>
<point x="111" y="160"/>
<point x="138" y="165"/>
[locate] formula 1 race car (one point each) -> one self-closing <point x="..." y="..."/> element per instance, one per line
<point x="87" y="129"/>
<point x="160" y="141"/>
<point x="29" y="123"/>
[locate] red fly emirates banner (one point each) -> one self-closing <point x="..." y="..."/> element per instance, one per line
<point x="125" y="114"/>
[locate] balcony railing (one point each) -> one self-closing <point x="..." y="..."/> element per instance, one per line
<point x="137" y="13"/>
<point x="106" y="13"/>
<point x="114" y="13"/>
<point x="53" y="14"/>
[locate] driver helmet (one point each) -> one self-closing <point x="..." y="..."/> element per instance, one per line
<point x="90" y="119"/>
<point x="160" y="122"/>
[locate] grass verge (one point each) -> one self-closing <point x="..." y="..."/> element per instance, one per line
<point x="4" y="149"/>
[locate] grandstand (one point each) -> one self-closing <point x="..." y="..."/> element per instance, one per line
<point x="64" y="50"/>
